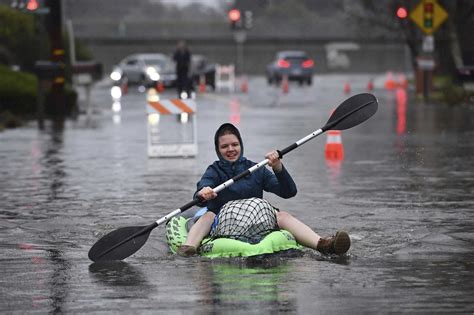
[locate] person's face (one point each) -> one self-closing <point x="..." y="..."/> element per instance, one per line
<point x="229" y="147"/>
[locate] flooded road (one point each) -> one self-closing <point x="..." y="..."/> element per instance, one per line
<point x="404" y="192"/>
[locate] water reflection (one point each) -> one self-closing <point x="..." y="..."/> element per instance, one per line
<point x="334" y="172"/>
<point x="246" y="285"/>
<point x="52" y="277"/>
<point x="401" y="111"/>
<point x="52" y="161"/>
<point x="344" y="260"/>
<point x="235" y="112"/>
<point x="59" y="281"/>
<point x="117" y="273"/>
<point x="117" y="119"/>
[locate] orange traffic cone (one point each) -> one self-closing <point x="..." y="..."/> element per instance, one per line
<point x="284" y="84"/>
<point x="370" y="85"/>
<point x="334" y="150"/>
<point x="244" y="87"/>
<point x="347" y="88"/>
<point x="124" y="87"/>
<point x="389" y="82"/>
<point x="160" y="87"/>
<point x="202" y="84"/>
<point x="402" y="81"/>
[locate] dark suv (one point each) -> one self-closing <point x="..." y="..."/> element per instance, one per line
<point x="294" y="64"/>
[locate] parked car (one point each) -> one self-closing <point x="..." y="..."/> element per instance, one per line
<point x="293" y="63"/>
<point x="145" y="69"/>
<point x="200" y="66"/>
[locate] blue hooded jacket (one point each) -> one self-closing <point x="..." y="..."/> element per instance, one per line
<point x="253" y="185"/>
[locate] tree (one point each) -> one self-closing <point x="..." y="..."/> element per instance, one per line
<point x="17" y="38"/>
<point x="378" y="18"/>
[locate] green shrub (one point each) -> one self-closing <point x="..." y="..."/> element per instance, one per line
<point x="9" y="120"/>
<point x="448" y="91"/>
<point x="454" y="94"/>
<point x="18" y="91"/>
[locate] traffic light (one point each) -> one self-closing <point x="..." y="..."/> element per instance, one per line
<point x="234" y="18"/>
<point x="248" y="19"/>
<point x="402" y="13"/>
<point x="32" y="5"/>
<point x="428" y="14"/>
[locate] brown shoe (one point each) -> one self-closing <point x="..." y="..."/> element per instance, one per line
<point x="186" y="251"/>
<point x="338" y="244"/>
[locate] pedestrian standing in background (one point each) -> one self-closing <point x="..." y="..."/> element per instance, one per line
<point x="182" y="58"/>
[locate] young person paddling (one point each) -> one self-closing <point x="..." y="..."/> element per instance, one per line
<point x="229" y="149"/>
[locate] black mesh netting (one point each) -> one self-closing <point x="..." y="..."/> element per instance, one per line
<point x="247" y="220"/>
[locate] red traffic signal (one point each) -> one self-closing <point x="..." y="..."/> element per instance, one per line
<point x="234" y="15"/>
<point x="428" y="7"/>
<point x="402" y="13"/>
<point x="32" y="5"/>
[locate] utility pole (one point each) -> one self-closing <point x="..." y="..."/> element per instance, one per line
<point x="54" y="28"/>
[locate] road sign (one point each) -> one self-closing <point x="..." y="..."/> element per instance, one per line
<point x="429" y="15"/>
<point x="425" y="63"/>
<point x="428" y="43"/>
<point x="82" y="78"/>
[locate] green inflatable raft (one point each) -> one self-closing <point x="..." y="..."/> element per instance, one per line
<point x="277" y="241"/>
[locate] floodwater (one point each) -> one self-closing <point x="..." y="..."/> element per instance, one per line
<point x="404" y="191"/>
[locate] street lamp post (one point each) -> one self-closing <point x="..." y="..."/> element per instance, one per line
<point x="239" y="25"/>
<point x="240" y="37"/>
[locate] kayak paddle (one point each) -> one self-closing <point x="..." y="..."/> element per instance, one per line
<point x="124" y="242"/>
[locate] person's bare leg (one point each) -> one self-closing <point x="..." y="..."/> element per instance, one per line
<point x="302" y="233"/>
<point x="196" y="234"/>
<point x="338" y="244"/>
<point x="200" y="229"/>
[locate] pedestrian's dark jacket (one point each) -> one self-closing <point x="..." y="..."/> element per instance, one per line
<point x="183" y="61"/>
<point x="253" y="185"/>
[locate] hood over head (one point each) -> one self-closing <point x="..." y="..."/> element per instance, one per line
<point x="225" y="129"/>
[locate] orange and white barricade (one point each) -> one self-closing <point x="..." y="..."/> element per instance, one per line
<point x="172" y="130"/>
<point x="225" y="78"/>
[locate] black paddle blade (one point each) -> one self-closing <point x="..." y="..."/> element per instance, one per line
<point x="121" y="243"/>
<point x="352" y="112"/>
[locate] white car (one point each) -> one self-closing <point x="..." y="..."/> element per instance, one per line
<point x="145" y="69"/>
